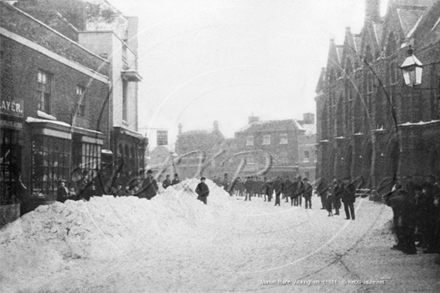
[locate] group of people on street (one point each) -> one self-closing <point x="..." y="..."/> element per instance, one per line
<point x="337" y="193"/>
<point x="416" y="214"/>
<point x="141" y="186"/>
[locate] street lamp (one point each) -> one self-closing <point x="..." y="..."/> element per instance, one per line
<point x="412" y="69"/>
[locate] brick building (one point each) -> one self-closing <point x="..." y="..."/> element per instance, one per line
<point x="307" y="147"/>
<point x="369" y="123"/>
<point x="54" y="115"/>
<point x="278" y="138"/>
<point x="102" y="29"/>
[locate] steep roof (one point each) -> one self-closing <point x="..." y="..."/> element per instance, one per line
<point x="409" y="17"/>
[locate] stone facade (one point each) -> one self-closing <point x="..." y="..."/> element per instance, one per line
<point x="369" y="123"/>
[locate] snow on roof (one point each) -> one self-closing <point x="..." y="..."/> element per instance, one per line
<point x="409" y="17"/>
<point x="420" y="123"/>
<point x="310" y="129"/>
<point x="36" y="120"/>
<point x="271" y="125"/>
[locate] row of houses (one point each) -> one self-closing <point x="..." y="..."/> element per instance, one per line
<point x="270" y="148"/>
<point x="370" y="123"/>
<point x="69" y="83"/>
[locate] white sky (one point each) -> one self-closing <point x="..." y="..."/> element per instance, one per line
<point x="206" y="60"/>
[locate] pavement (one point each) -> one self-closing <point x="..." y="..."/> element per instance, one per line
<point x="370" y="265"/>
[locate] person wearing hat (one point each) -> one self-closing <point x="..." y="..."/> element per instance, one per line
<point x="203" y="191"/>
<point x="62" y="191"/>
<point x="308" y="190"/>
<point x="176" y="179"/>
<point x="348" y="199"/>
<point x="166" y="182"/>
<point x="149" y="187"/>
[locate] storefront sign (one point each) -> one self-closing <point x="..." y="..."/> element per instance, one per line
<point x="12" y="107"/>
<point x="11" y="124"/>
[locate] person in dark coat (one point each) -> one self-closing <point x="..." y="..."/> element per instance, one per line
<point x="203" y="191"/>
<point x="308" y="191"/>
<point x="149" y="187"/>
<point x="338" y="189"/>
<point x="297" y="197"/>
<point x="278" y="187"/>
<point x="176" y="179"/>
<point x="321" y="191"/>
<point x="288" y="190"/>
<point x="348" y="198"/>
<point x="431" y="212"/>
<point x="62" y="191"/>
<point x="166" y="182"/>
<point x="329" y="199"/>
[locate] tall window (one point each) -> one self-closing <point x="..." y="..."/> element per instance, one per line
<point x="91" y="158"/>
<point x="50" y="163"/>
<point x="370" y="82"/>
<point x="124" y="99"/>
<point x="250" y="140"/>
<point x="266" y="139"/>
<point x="283" y="138"/>
<point x="80" y="93"/>
<point x="394" y="73"/>
<point x="306" y="156"/>
<point x="10" y="163"/>
<point x="44" y="91"/>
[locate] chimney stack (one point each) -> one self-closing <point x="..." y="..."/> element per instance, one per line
<point x="253" y="119"/>
<point x="309" y="118"/>
<point x="215" y="125"/>
<point x="180" y="128"/>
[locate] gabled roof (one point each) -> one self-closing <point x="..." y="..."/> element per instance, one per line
<point x="409" y="17"/>
<point x="271" y="126"/>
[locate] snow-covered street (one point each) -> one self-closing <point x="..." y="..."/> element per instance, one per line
<point x="175" y="243"/>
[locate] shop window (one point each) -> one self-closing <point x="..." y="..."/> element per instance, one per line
<point x="250" y="140"/>
<point x="50" y="163"/>
<point x="266" y="139"/>
<point x="10" y="156"/>
<point x="283" y="138"/>
<point x="91" y="158"/>
<point x="80" y="93"/>
<point x="44" y="91"/>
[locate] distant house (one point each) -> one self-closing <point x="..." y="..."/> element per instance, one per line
<point x="194" y="145"/>
<point x="279" y="138"/>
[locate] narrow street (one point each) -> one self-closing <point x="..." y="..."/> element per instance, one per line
<point x="228" y="246"/>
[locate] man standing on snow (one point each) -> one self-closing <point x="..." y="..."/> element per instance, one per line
<point x="149" y="187"/>
<point x="203" y="191"/>
<point x="308" y="189"/>
<point x="176" y="180"/>
<point x="166" y="182"/>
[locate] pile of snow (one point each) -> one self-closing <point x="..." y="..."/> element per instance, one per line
<point x="104" y="227"/>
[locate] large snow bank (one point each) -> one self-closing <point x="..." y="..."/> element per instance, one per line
<point x="104" y="227"/>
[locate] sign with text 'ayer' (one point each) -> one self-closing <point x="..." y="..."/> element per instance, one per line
<point x="12" y="107"/>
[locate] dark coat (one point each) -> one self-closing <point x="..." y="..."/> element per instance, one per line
<point x="308" y="190"/>
<point x="175" y="181"/>
<point x="337" y="194"/>
<point x="149" y="188"/>
<point x="202" y="189"/>
<point x="166" y="183"/>
<point x="62" y="194"/>
<point x="349" y="194"/>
